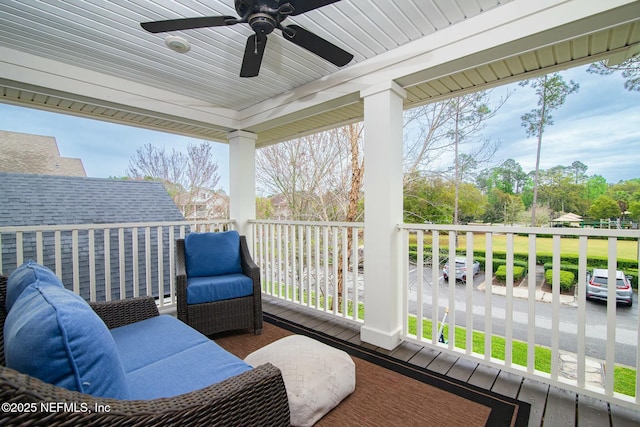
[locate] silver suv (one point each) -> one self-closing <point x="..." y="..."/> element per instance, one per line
<point x="597" y="284"/>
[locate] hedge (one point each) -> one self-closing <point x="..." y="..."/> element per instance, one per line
<point x="501" y="273"/>
<point x="567" y="262"/>
<point x="567" y="279"/>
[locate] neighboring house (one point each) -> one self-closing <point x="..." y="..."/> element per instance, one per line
<point x="281" y="208"/>
<point x="26" y="153"/>
<point x="203" y="204"/>
<point x="29" y="199"/>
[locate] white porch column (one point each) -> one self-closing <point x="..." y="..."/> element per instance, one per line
<point x="242" y="181"/>
<point x="383" y="212"/>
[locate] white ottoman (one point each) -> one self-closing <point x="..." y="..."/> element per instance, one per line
<point x="317" y="377"/>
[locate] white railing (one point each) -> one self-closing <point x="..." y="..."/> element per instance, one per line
<point x="472" y="314"/>
<point x="104" y="262"/>
<point x="315" y="264"/>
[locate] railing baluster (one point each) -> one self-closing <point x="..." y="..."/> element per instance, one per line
<point x="435" y="285"/>
<point x="160" y="244"/>
<point x="420" y="284"/>
<point x="345" y="272"/>
<point x="107" y="264"/>
<point x="19" y="248"/>
<point x="147" y="259"/>
<point x="39" y="248"/>
<point x="75" y="262"/>
<point x="531" y="306"/>
<point x="555" y="308"/>
<point x="316" y="267"/>
<point x="488" y="296"/>
<point x="610" y="359"/>
<point x="469" y="294"/>
<point x="91" y="235"/>
<point x="582" y="310"/>
<point x="452" y="289"/>
<point x="58" y="252"/>
<point x="122" y="264"/>
<point x="355" y="262"/>
<point x="508" y="323"/>
<point x="134" y="262"/>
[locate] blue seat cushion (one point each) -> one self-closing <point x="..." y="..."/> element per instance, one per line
<point x="192" y="369"/>
<point x="212" y="254"/>
<point x="145" y="342"/>
<point x="218" y="288"/>
<point x="52" y="334"/>
<point x="25" y="275"/>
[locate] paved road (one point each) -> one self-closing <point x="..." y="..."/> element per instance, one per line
<point x="626" y="329"/>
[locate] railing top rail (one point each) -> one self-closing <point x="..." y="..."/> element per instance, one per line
<point x="71" y="227"/>
<point x="316" y="223"/>
<point x="561" y="231"/>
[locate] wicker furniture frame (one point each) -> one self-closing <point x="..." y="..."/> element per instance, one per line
<point x="227" y="315"/>
<point x="254" y="398"/>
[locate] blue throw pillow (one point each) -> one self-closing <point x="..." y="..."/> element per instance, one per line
<point x="27" y="274"/>
<point x="52" y="334"/>
<point x="212" y="254"/>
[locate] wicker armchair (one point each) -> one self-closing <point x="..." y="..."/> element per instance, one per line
<point x="254" y="398"/>
<point x="225" y="315"/>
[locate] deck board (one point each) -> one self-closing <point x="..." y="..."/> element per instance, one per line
<point x="484" y="377"/>
<point x="550" y="405"/>
<point x="592" y="412"/>
<point x="507" y="384"/>
<point x="561" y="407"/>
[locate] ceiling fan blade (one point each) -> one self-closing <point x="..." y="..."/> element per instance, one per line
<point x="317" y="45"/>
<point x="302" y="6"/>
<point x="188" y="23"/>
<point x="253" y="52"/>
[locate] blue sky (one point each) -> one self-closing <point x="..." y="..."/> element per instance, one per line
<point x="599" y="125"/>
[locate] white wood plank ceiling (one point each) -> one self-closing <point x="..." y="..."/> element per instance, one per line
<point x="91" y="58"/>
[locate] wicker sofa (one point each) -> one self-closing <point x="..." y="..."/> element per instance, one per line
<point x="255" y="397"/>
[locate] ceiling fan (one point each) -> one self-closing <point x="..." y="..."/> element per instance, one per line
<point x="263" y="16"/>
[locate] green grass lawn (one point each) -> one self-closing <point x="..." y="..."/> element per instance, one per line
<point x="595" y="247"/>
<point x="624" y="380"/>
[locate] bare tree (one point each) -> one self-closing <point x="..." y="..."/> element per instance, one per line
<point x="313" y="174"/>
<point x="441" y="127"/>
<point x="182" y="174"/>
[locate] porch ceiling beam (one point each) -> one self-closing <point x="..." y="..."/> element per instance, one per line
<point x="29" y="71"/>
<point x="519" y="26"/>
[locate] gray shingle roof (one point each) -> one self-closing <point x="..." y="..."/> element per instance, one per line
<point x="28" y="199"/>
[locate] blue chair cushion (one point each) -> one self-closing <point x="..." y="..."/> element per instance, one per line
<point x="25" y="275"/>
<point x="212" y="254"/>
<point x="192" y="369"/>
<point x="145" y="342"/>
<point x="52" y="334"/>
<point x="218" y="288"/>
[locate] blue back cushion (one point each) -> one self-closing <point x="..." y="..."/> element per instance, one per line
<point x="25" y="275"/>
<point x="52" y="334"/>
<point x="212" y="254"/>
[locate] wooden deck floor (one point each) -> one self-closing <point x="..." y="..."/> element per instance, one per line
<point x="550" y="405"/>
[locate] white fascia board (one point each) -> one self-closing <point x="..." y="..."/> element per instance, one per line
<point x="514" y="21"/>
<point x="33" y="70"/>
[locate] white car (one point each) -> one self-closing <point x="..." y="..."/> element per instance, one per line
<point x="598" y="282"/>
<point x="461" y="269"/>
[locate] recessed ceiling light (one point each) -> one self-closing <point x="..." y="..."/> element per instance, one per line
<point x="178" y="44"/>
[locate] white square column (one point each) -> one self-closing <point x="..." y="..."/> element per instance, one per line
<point x="242" y="181"/>
<point x="383" y="150"/>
